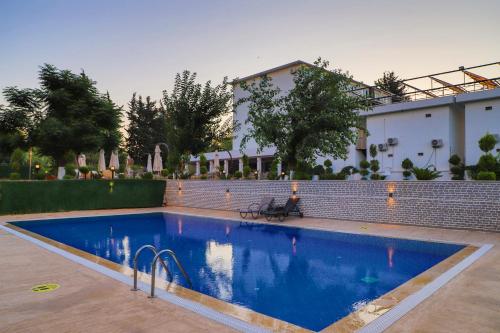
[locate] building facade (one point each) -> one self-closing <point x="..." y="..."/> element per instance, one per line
<point x="426" y="130"/>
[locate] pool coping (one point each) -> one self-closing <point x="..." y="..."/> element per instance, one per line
<point x="375" y="316"/>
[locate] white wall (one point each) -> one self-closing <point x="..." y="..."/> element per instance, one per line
<point x="414" y="132"/>
<point x="478" y="121"/>
<point x="282" y="79"/>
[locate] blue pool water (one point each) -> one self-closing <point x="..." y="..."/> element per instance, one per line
<point x="306" y="277"/>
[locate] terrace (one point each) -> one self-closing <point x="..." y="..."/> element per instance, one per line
<point x="88" y="300"/>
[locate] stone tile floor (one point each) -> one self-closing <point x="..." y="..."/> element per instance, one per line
<point x="90" y="302"/>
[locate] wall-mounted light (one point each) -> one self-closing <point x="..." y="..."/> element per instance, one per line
<point x="180" y="189"/>
<point x="294" y="192"/>
<point x="227" y="190"/>
<point x="391" y="194"/>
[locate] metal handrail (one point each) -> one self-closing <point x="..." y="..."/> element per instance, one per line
<point x="155" y="251"/>
<point x="153" y="269"/>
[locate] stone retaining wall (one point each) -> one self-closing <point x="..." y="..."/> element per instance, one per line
<point x="445" y="204"/>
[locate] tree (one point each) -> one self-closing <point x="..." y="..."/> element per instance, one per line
<point x="146" y="127"/>
<point x="390" y="82"/>
<point x="197" y="116"/>
<point x="318" y="116"/>
<point x="67" y="113"/>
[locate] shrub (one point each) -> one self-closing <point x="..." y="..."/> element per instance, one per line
<point x="407" y="164"/>
<point x="121" y="176"/>
<point x="70" y="169"/>
<point x="364" y="165"/>
<point x="246" y="171"/>
<point x="84" y="170"/>
<point x="335" y="176"/>
<point x="203" y="177"/>
<point x="457" y="169"/>
<point x="407" y="174"/>
<point x="245" y="160"/>
<point x="67" y="177"/>
<point x="39" y="176"/>
<point x="374" y="166"/>
<point x="425" y="173"/>
<point x="347" y="170"/>
<point x="318" y="170"/>
<point x="17" y="160"/>
<point x="165" y="172"/>
<point x="487" y="142"/>
<point x="15" y="176"/>
<point x="486" y="175"/>
<point x="327" y="163"/>
<point x="203" y="170"/>
<point x="238" y="174"/>
<point x="375" y="176"/>
<point x="487" y="162"/>
<point x="147" y="175"/>
<point x="272" y="175"/>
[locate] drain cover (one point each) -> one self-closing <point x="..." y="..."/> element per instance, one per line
<point x="43" y="288"/>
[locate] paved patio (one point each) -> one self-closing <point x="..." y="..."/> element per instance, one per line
<point x="88" y="301"/>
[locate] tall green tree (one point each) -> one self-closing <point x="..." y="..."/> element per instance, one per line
<point x="317" y="117"/>
<point x="146" y="127"/>
<point x="197" y="116"/>
<point x="68" y="113"/>
<point x="390" y="82"/>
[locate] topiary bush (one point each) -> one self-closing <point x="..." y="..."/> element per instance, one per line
<point x="374" y="163"/>
<point x="487" y="162"/>
<point x="238" y="175"/>
<point x="407" y="165"/>
<point x="486" y="175"/>
<point x="165" y="172"/>
<point x="458" y="168"/>
<point x="84" y="171"/>
<point x="203" y="170"/>
<point x="487" y="142"/>
<point x="364" y="165"/>
<point x="318" y="170"/>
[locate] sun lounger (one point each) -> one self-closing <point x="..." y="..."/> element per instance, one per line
<point x="290" y="208"/>
<point x="255" y="209"/>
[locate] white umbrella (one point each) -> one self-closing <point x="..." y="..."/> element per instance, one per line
<point x="102" y="162"/>
<point x="157" y="162"/>
<point x="149" y="168"/>
<point x="113" y="161"/>
<point x="82" y="160"/>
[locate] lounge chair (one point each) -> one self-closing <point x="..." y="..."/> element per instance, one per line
<point x="255" y="209"/>
<point x="290" y="208"/>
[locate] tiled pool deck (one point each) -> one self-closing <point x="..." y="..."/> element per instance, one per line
<point x="90" y="301"/>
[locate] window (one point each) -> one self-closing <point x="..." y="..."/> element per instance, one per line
<point x="488" y="108"/>
<point x="428" y="115"/>
<point x="420" y="154"/>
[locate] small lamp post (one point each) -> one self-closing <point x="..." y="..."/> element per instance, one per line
<point x="37" y="168"/>
<point x="112" y="168"/>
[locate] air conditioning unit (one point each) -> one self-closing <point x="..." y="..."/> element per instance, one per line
<point x="437" y="143"/>
<point x="383" y="147"/>
<point x="392" y="141"/>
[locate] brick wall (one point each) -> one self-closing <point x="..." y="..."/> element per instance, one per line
<point x="448" y="204"/>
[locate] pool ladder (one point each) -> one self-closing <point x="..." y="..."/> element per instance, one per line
<point x="156" y="258"/>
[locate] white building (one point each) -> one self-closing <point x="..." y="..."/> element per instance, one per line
<point x="455" y="121"/>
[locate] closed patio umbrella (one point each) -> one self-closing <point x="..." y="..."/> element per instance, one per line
<point x="101" y="165"/>
<point x="216" y="162"/>
<point x="113" y="161"/>
<point x="149" y="168"/>
<point x="82" y="160"/>
<point x="157" y="162"/>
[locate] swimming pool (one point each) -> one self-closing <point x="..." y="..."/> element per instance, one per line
<point x="306" y="277"/>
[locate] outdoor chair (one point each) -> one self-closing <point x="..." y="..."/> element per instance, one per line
<point x="255" y="209"/>
<point x="290" y="208"/>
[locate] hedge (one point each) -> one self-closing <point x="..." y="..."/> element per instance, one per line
<point x="18" y="197"/>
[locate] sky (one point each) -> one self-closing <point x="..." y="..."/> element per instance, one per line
<point x="139" y="46"/>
